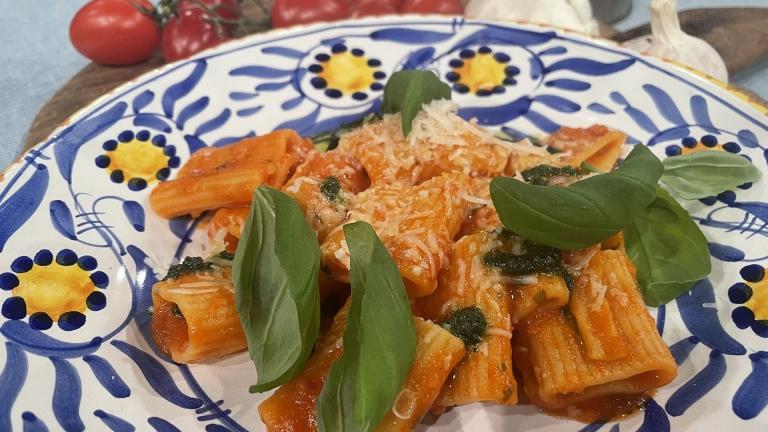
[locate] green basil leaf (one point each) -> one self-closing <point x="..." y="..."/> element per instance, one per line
<point x="668" y="248"/>
<point x="275" y="273"/>
<point x="379" y="341"/>
<point x="406" y="91"/>
<point x="583" y="213"/>
<point x="706" y="173"/>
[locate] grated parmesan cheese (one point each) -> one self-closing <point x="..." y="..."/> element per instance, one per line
<point x="524" y="280"/>
<point x="598" y="289"/>
<point x="477" y="200"/>
<point x="438" y="124"/>
<point x="483" y="349"/>
<point x="496" y="331"/>
<point x="409" y="398"/>
<point x="462" y="269"/>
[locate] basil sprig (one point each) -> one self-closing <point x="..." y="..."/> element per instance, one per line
<point x="666" y="245"/>
<point x="379" y="341"/>
<point x="275" y="273"/>
<point x="406" y="91"/>
<point x="706" y="173"/>
<point x="668" y="249"/>
<point x="583" y="213"/>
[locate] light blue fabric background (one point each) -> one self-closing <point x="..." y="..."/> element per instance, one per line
<point x="36" y="59"/>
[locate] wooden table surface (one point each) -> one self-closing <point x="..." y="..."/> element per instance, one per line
<point x="739" y="34"/>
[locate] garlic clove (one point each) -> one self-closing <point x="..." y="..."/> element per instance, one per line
<point x="569" y="14"/>
<point x="669" y="41"/>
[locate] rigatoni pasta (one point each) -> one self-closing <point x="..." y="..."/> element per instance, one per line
<point x="416" y="225"/>
<point x="227" y="176"/>
<point x="577" y="332"/>
<point x="226" y="226"/>
<point x="323" y="186"/>
<point x="194" y="317"/>
<point x="437" y="353"/>
<point x="597" y="145"/>
<point x="485" y="374"/>
<point x="291" y="407"/>
<point x="440" y="142"/>
<point x="548" y="291"/>
<point x="550" y="347"/>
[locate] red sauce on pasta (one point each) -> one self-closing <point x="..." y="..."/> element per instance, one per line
<point x="604" y="408"/>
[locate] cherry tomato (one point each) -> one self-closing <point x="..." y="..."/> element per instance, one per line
<point x="114" y="32"/>
<point x="189" y="33"/>
<point x="371" y="8"/>
<point x="225" y="9"/>
<point x="448" y="7"/>
<point x="291" y="12"/>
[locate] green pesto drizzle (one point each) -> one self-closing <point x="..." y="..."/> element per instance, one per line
<point x="330" y="187"/>
<point x="189" y="265"/>
<point x="468" y="324"/>
<point x="540" y="175"/>
<point x="535" y="259"/>
<point x="229" y="256"/>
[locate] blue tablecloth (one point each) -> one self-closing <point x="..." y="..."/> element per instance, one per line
<point x="36" y="59"/>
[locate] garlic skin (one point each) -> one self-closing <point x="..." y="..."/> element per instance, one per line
<point x="669" y="41"/>
<point x="568" y="14"/>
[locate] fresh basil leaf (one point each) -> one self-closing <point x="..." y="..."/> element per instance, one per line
<point x="586" y="166"/>
<point x="583" y="213"/>
<point x="706" y="173"/>
<point x="406" y="91"/>
<point x="668" y="249"/>
<point x="379" y="341"/>
<point x="275" y="273"/>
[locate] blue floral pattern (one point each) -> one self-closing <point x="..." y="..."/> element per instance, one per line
<point x="542" y="80"/>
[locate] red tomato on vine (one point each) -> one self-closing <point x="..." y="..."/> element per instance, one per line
<point x="114" y="32"/>
<point x="189" y="33"/>
<point x="449" y="7"/>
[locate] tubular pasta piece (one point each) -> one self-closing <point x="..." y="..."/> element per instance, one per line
<point x="596" y="144"/>
<point x="437" y="352"/>
<point x="556" y="368"/>
<point x="322" y="212"/>
<point x="292" y="407"/>
<point x="229" y="220"/>
<point x="440" y="142"/>
<point x="485" y="374"/>
<point x="416" y="224"/>
<point x="209" y="326"/>
<point x="247" y="152"/>
<point x="604" y="277"/>
<point x="482" y="216"/>
<point x="348" y="170"/>
<point x="227" y="176"/>
<point x="549" y="292"/>
<point x="382" y="149"/>
<point x="194" y="195"/>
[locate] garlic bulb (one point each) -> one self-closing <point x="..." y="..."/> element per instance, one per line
<point x="669" y="41"/>
<point x="569" y="14"/>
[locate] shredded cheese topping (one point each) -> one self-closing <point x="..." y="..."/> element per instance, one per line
<point x="408" y="398"/>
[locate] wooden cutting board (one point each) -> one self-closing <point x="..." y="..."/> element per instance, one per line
<point x="740" y="35"/>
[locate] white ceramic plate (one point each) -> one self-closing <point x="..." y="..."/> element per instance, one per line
<point x="72" y="218"/>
